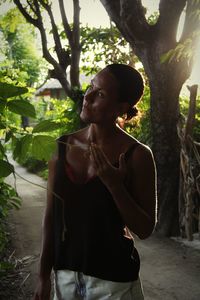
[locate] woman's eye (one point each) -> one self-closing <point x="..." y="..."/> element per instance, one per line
<point x="100" y="94"/>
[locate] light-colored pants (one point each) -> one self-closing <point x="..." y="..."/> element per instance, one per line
<point x="70" y="285"/>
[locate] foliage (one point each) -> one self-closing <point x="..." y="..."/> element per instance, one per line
<point x="102" y="46"/>
<point x="184" y="106"/>
<point x="8" y="199"/>
<point x="60" y="117"/>
<point x="186" y="47"/>
<point x="140" y="126"/>
<point x="182" y="51"/>
<point x="20" y="49"/>
<point x="41" y="146"/>
<point x="65" y="113"/>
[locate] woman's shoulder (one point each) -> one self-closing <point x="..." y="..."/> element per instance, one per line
<point x="142" y="155"/>
<point x="76" y="135"/>
<point x="139" y="151"/>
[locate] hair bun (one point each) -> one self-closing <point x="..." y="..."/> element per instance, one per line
<point x="132" y="112"/>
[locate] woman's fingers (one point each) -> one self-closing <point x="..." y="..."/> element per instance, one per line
<point x="100" y="159"/>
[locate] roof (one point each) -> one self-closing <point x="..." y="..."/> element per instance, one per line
<point x="52" y="84"/>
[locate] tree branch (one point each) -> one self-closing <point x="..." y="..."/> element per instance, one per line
<point x="192" y="20"/>
<point x="191" y="111"/>
<point x="76" y="22"/>
<point x="129" y="17"/>
<point x="31" y="6"/>
<point x="59" y="69"/>
<point x="75" y="46"/>
<point x="39" y="24"/>
<point x="65" y="22"/>
<point x="46" y="53"/>
<point x="169" y="17"/>
<point x="25" y="14"/>
<point x="61" y="54"/>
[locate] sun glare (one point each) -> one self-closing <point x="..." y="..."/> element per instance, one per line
<point x="195" y="76"/>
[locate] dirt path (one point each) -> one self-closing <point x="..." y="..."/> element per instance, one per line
<point x="169" y="270"/>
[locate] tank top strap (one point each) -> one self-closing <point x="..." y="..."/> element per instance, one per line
<point x="61" y="147"/>
<point x="131" y="150"/>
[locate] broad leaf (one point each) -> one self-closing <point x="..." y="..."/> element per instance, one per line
<point x="43" y="147"/>
<point x="22" y="107"/>
<point x="2" y="104"/>
<point x="2" y="126"/>
<point x="8" y="136"/>
<point x="2" y="150"/>
<point x="45" y="126"/>
<point x="5" y="168"/>
<point x="22" y="147"/>
<point x="9" y="90"/>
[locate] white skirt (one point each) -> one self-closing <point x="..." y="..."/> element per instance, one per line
<point x="70" y="285"/>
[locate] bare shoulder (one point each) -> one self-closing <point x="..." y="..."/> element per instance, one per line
<point x="142" y="156"/>
<point x="77" y="135"/>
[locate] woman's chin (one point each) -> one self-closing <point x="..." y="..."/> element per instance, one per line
<point x="84" y="117"/>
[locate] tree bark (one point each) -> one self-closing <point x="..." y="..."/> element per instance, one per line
<point x="32" y="11"/>
<point x="149" y="43"/>
<point x="187" y="187"/>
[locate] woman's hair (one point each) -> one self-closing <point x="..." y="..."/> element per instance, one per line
<point x="131" y="85"/>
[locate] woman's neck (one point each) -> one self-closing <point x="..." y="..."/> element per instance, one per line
<point x="102" y="135"/>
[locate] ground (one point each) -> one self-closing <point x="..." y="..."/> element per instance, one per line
<point x="170" y="269"/>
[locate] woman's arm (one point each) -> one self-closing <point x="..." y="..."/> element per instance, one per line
<point x="46" y="255"/>
<point x="136" y="202"/>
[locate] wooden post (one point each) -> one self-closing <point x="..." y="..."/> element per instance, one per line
<point x="187" y="182"/>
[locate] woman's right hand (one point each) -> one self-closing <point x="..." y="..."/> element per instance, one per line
<point x="43" y="290"/>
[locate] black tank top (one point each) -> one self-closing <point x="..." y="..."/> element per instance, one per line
<point x="88" y="228"/>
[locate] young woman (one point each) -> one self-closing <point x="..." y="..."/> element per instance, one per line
<point x="101" y="189"/>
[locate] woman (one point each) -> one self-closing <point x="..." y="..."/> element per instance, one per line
<point x="101" y="188"/>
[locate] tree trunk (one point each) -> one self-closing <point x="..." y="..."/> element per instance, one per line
<point x="165" y="79"/>
<point x="166" y="149"/>
<point x="165" y="84"/>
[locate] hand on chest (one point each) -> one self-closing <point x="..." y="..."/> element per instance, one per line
<point x="81" y="162"/>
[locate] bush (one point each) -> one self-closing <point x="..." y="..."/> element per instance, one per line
<point x="8" y="199"/>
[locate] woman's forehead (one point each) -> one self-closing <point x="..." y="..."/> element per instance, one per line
<point x="105" y="80"/>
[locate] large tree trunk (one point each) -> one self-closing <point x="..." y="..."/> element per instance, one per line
<point x="165" y="81"/>
<point x="166" y="149"/>
<point x="149" y="43"/>
<point x="165" y="87"/>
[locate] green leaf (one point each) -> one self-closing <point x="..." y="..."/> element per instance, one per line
<point x="2" y="150"/>
<point x="5" y="168"/>
<point x="43" y="147"/>
<point x="22" y="107"/>
<point x="8" y="136"/>
<point x="2" y="104"/>
<point x="2" y="126"/>
<point x="166" y="56"/>
<point x="9" y="90"/>
<point x="22" y="147"/>
<point x="46" y="125"/>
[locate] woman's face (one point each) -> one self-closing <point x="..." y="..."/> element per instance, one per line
<point x="101" y="101"/>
